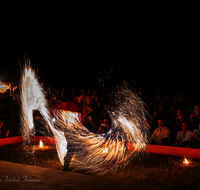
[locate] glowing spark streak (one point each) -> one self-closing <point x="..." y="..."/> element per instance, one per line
<point x="33" y="98"/>
<point x="96" y="152"/>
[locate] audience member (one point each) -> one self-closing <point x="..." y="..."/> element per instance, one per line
<point x="104" y="126"/>
<point x="195" y="117"/>
<point x="75" y="105"/>
<point x="184" y="137"/>
<point x="54" y="102"/>
<point x="87" y="105"/>
<point x="161" y="134"/>
<point x="196" y="137"/>
<point x="4" y="131"/>
<point x="95" y="101"/>
<point x="178" y="125"/>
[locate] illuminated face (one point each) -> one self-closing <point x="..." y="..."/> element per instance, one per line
<point x="184" y="126"/>
<point x="87" y="99"/>
<point x="1" y="124"/>
<point x="155" y="114"/>
<point x="160" y="123"/>
<point x="79" y="99"/>
<point x="178" y="112"/>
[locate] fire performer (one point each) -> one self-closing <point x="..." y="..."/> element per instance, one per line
<point x="75" y="106"/>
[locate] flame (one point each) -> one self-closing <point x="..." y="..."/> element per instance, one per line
<point x="186" y="161"/>
<point x="41" y="144"/>
<point x="127" y="118"/>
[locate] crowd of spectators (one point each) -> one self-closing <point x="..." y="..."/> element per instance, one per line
<point x="9" y="114"/>
<point x="174" y="121"/>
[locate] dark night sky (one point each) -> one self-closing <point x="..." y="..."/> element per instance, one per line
<point x="68" y="46"/>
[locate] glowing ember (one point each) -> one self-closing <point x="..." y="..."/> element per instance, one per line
<point x="41" y="144"/>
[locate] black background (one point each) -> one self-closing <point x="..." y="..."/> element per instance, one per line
<point x="73" y="46"/>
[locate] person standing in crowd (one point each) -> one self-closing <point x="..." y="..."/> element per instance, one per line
<point x="161" y="134"/>
<point x="87" y="105"/>
<point x="177" y="127"/>
<point x="196" y="137"/>
<point x="95" y="101"/>
<point x="184" y="137"/>
<point x="195" y="117"/>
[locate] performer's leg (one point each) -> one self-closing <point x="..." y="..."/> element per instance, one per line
<point x="68" y="157"/>
<point x="67" y="161"/>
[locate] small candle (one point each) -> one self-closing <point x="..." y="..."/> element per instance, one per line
<point x="41" y="144"/>
<point x="186" y="162"/>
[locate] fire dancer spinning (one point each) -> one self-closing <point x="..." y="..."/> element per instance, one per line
<point x="127" y="119"/>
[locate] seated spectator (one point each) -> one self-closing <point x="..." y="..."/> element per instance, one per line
<point x="161" y="134"/>
<point x="4" y="131"/>
<point x="195" y="117"/>
<point x="75" y="105"/>
<point x="104" y="127"/>
<point x="87" y="105"/>
<point x="54" y="102"/>
<point x="184" y="137"/>
<point x="196" y="138"/>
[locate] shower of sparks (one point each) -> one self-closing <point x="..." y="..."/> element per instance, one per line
<point x="94" y="152"/>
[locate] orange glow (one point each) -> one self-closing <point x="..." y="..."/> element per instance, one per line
<point x="74" y="158"/>
<point x="186" y="161"/>
<point x="41" y="144"/>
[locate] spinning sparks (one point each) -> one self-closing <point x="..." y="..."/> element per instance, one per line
<point x="94" y="152"/>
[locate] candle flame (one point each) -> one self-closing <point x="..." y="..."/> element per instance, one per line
<point x="186" y="161"/>
<point x="41" y="144"/>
